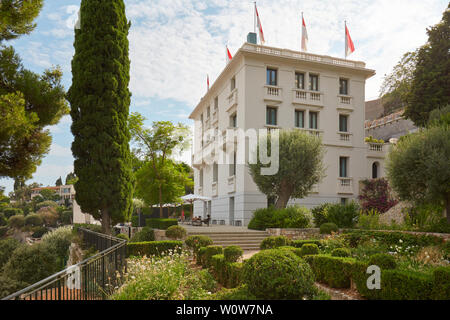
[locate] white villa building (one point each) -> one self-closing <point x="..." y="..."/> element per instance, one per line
<point x="265" y="87"/>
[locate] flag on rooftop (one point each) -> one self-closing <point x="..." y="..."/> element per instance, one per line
<point x="349" y="46"/>
<point x="259" y="26"/>
<point x="229" y="56"/>
<point x="304" y="35"/>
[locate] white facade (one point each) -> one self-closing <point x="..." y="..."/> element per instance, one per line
<point x="331" y="103"/>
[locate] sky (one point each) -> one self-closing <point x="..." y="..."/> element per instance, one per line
<point x="175" y="44"/>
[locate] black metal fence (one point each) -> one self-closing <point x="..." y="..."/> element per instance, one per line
<point x="92" y="279"/>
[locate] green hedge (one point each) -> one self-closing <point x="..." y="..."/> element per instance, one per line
<point x="197" y="242"/>
<point x="355" y="237"/>
<point x="333" y="271"/>
<point x="153" y="248"/>
<point x="300" y="243"/>
<point x="274" y="242"/>
<point x="209" y="253"/>
<point x="228" y="274"/>
<point x="441" y="278"/>
<point x="162" y="224"/>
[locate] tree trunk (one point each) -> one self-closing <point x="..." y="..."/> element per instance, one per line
<point x="160" y="202"/>
<point x="447" y="207"/>
<point x="283" y="196"/>
<point x="106" y="222"/>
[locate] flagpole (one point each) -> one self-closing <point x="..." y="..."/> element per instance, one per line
<point x="345" y="32"/>
<point x="301" y="41"/>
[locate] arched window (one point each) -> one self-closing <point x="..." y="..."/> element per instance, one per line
<point x="375" y="170"/>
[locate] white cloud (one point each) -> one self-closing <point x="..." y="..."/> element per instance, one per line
<point x="173" y="45"/>
<point x="59" y="151"/>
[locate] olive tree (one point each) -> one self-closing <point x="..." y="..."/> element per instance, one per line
<point x="419" y="167"/>
<point x="300" y="167"/>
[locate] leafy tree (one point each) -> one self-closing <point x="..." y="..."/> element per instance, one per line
<point x="161" y="183"/>
<point x="49" y="195"/>
<point x="17" y="17"/>
<point x="58" y="182"/>
<point x="397" y="85"/>
<point x="22" y="193"/>
<point x="28" y="102"/>
<point x="100" y="101"/>
<point x="71" y="179"/>
<point x="300" y="167"/>
<point x="431" y="79"/>
<point x="419" y="167"/>
<point x="156" y="145"/>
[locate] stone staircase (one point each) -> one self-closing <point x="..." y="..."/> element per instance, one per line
<point x="247" y="240"/>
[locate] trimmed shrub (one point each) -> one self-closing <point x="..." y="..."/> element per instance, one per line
<point x="274" y="242"/>
<point x="200" y="256"/>
<point x="296" y="251"/>
<point x="39" y="232"/>
<point x="340" y="252"/>
<point x="33" y="220"/>
<point x="343" y="215"/>
<point x="232" y="253"/>
<point x="197" y="242"/>
<point x="145" y="235"/>
<point x="16" y="222"/>
<point x="309" y="249"/>
<point x="161" y="224"/>
<point x="262" y="218"/>
<point x="441" y="288"/>
<point x="396" y="284"/>
<point x="290" y="217"/>
<point x="333" y="271"/>
<point x="7" y="247"/>
<point x="153" y="248"/>
<point x="383" y="260"/>
<point x="10" y="212"/>
<point x="328" y="228"/>
<point x="176" y="232"/>
<point x="30" y="264"/>
<point x="278" y="274"/>
<point x="210" y="251"/>
<point x="239" y="293"/>
<point x="319" y="214"/>
<point x="66" y="217"/>
<point x="300" y="243"/>
<point x="3" y="231"/>
<point x="3" y="221"/>
<point x="228" y="274"/>
<point x="355" y="237"/>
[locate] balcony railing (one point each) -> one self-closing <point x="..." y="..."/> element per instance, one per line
<point x="273" y="93"/>
<point x="302" y="56"/>
<point x="307" y="97"/>
<point x="345" y="186"/>
<point x="378" y="147"/>
<point x="345" y="136"/>
<point x="87" y="280"/>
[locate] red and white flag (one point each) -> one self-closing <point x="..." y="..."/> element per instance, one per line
<point x="349" y="46"/>
<point x="304" y="35"/>
<point x="207" y="81"/>
<point x="259" y="25"/>
<point x="229" y="56"/>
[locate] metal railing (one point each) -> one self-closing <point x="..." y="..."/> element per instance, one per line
<point x="92" y="279"/>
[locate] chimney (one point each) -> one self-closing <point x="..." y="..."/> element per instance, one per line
<point x="251" y="38"/>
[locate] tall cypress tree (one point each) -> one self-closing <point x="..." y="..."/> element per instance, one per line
<point x="100" y="101"/>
